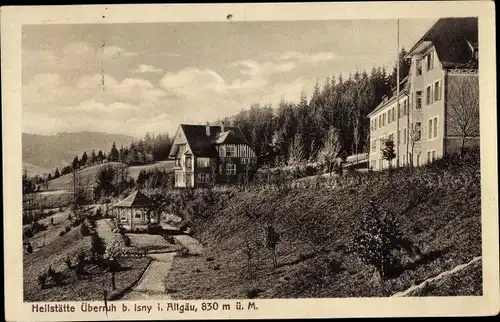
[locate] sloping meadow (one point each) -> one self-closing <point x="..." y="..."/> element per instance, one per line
<point x="437" y="209"/>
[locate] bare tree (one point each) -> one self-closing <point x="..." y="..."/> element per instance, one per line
<point x="330" y="151"/>
<point x="414" y="134"/>
<point x="463" y="109"/>
<point x="296" y="153"/>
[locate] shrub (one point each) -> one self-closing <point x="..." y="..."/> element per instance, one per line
<point x="84" y="229"/>
<point x="68" y="263"/>
<point x="70" y="217"/>
<point x="81" y="264"/>
<point x="61" y="233"/>
<point x="68" y="228"/>
<point x="52" y="221"/>
<point x="28" y="233"/>
<point x="42" y="278"/>
<point x="253" y="293"/>
<point x="29" y="249"/>
<point x="272" y="240"/>
<point x="126" y="240"/>
<point x="376" y="239"/>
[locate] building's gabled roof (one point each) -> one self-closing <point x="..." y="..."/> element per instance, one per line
<point x="391" y="96"/>
<point x="135" y="200"/>
<point x="231" y="137"/>
<point x="452" y="38"/>
<point x="203" y="145"/>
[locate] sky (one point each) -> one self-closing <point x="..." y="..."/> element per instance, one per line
<point x="137" y="78"/>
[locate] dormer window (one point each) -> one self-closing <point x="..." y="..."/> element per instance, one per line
<point x="430" y="60"/>
<point x="419" y="66"/>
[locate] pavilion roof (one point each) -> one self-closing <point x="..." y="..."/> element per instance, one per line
<point x="135" y="200"/>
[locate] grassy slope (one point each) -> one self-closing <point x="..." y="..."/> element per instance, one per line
<point x="438" y="209"/>
<point x="54" y="253"/>
<point x="65" y="182"/>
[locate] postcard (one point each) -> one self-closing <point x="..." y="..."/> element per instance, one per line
<point x="247" y="161"/>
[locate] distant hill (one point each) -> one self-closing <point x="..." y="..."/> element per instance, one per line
<point x="65" y="182"/>
<point x="46" y="152"/>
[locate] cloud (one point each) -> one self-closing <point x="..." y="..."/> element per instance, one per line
<point x="73" y="56"/>
<point x="129" y="89"/>
<point x="254" y="68"/>
<point x="110" y="52"/>
<point x="190" y="81"/>
<point x="146" y="69"/>
<point x="306" y="58"/>
<point x="93" y="105"/>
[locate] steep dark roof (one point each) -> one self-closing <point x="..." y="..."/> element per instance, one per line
<point x="136" y="199"/>
<point x="203" y="145"/>
<point x="451" y="38"/>
<point x="391" y="96"/>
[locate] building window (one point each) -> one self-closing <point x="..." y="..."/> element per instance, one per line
<point x="389" y="119"/>
<point x="384" y="119"/>
<point x="222" y="151"/>
<point x="187" y="162"/>
<point x="230" y="151"/>
<point x="428" y="95"/>
<point x="405" y="108"/>
<point x="429" y="157"/>
<point x="231" y="169"/>
<point x="435" y="127"/>
<point x="182" y="148"/>
<point x="430" y="60"/>
<point x="242" y="150"/>
<point x="437" y="91"/>
<point x="393" y="115"/>
<point x="391" y="137"/>
<point x="203" y="178"/>
<point x="245" y="161"/>
<point x="189" y="179"/>
<point x="178" y="163"/>
<point x="222" y="169"/>
<point x="419" y="99"/>
<point x="429" y="130"/>
<point x="399" y="136"/>
<point x="418" y="160"/>
<point x="418" y="131"/>
<point x="419" y="66"/>
<point x="374" y="145"/>
<point x="404" y="136"/>
<point x="202" y="162"/>
<point x="380" y="121"/>
<point x="404" y="159"/>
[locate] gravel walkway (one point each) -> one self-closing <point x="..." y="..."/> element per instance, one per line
<point x="151" y="285"/>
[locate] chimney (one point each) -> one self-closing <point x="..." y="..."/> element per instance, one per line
<point x="222" y="127"/>
<point x="208" y="129"/>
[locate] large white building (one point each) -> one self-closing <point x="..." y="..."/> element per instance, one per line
<point x="442" y="82"/>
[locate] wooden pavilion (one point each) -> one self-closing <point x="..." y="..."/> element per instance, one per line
<point x="135" y="211"/>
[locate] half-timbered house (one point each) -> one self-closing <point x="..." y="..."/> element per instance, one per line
<point x="210" y="154"/>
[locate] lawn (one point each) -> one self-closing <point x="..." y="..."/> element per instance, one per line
<point x="150" y="243"/>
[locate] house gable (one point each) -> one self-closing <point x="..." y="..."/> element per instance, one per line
<point x="180" y="138"/>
